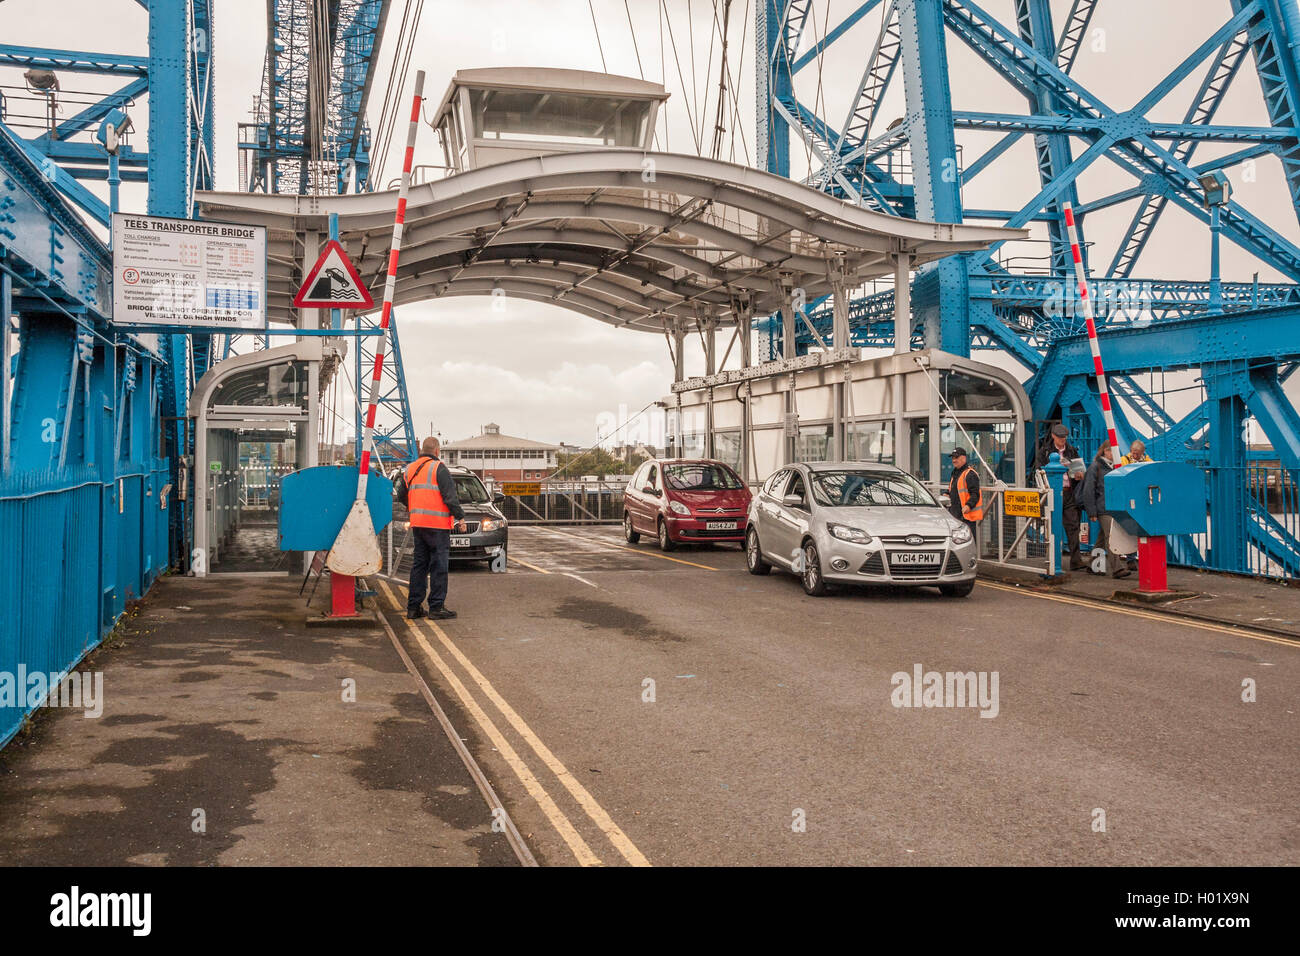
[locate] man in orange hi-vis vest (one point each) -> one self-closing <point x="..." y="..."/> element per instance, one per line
<point x="434" y="510"/>
<point x="965" y="500"/>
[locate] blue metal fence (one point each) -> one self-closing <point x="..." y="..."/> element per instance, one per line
<point x="74" y="550"/>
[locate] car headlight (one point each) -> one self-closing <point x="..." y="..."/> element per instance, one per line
<point x="846" y="533"/>
<point x="492" y="524"/>
<point x="960" y="534"/>
<point x="679" y="508"/>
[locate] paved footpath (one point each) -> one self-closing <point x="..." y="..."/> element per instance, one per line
<point x="221" y="705"/>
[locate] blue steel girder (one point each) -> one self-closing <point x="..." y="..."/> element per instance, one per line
<point x="1074" y="29"/>
<point x="865" y="106"/>
<point x="819" y="138"/>
<point x="42" y="240"/>
<point x="1274" y="34"/>
<point x="1204" y="105"/>
<point x="71" y="61"/>
<point x="1264" y="337"/>
<point x="311" y="129"/>
<point x="1147" y="408"/>
<point x="833" y="34"/>
<point x="1128" y="145"/>
<point x="1053" y="152"/>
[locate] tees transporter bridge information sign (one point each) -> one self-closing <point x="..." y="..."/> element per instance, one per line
<point x="183" y="272"/>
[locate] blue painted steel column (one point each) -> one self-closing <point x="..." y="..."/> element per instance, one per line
<point x="1216" y="282"/>
<point x="940" y="298"/>
<point x="772" y="66"/>
<point x="1227" y="471"/>
<point x="169" y="178"/>
<point x="336" y="315"/>
<point x="1052" y="149"/>
<point x="6" y="316"/>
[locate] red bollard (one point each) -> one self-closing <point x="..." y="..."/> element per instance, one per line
<point x="343" y="595"/>
<point x="1153" y="577"/>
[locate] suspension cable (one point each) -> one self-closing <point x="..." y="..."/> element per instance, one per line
<point x="595" y="26"/>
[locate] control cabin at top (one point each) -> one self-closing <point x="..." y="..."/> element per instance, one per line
<point x="494" y="115"/>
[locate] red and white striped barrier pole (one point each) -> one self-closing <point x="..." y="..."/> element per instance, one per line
<point x="1102" y="390"/>
<point x="356" y="551"/>
<point x="1152" y="569"/>
<point x="390" y="284"/>
<point x="1073" y="232"/>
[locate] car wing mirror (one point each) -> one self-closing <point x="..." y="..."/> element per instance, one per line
<point x="792" y="501"/>
<point x="498" y="498"/>
<point x="647" y="490"/>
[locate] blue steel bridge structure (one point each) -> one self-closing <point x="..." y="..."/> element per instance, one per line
<point x="1238" y="342"/>
<point x="94" y="442"/>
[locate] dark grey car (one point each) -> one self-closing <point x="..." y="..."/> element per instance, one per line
<point x="486" y="535"/>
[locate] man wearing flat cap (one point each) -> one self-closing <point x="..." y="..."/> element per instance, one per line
<point x="1058" y="440"/>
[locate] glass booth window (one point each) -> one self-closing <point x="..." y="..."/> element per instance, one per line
<point x="692" y="445"/>
<point x="726" y="448"/>
<point x="969" y="393"/>
<point x="990" y="447"/>
<point x="814" y="443"/>
<point x="283" y="384"/>
<point x="871" y="441"/>
<point x="539" y="115"/>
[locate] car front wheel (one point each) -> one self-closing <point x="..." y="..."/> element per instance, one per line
<point x="814" y="582"/>
<point x="629" y="532"/>
<point x="666" y="543"/>
<point x="754" y="554"/>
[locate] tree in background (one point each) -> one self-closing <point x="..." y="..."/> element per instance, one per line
<point x="596" y="461"/>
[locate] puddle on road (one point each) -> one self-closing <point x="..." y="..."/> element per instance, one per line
<point x="602" y="614"/>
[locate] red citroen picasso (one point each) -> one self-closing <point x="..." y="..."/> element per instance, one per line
<point x="679" y="500"/>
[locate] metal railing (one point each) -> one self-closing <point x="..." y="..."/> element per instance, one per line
<point x="1014" y="540"/>
<point x="1266" y="539"/>
<point x="568" y="502"/>
<point x="74" y="549"/>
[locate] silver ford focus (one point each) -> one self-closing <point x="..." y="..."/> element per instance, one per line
<point x="857" y="523"/>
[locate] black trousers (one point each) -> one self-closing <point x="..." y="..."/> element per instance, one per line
<point x="1070" y="518"/>
<point x="429" y="568"/>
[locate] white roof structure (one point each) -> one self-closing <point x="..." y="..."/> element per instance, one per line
<point x="639" y="239"/>
<point x="492" y="440"/>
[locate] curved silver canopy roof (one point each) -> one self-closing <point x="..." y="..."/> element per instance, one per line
<point x="638" y="239"/>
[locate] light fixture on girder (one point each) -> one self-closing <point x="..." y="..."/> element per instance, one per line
<point x="45" y="84"/>
<point x="1218" y="193"/>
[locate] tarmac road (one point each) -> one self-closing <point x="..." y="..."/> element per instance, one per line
<point x="636" y="707"/>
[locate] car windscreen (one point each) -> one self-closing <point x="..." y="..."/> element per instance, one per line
<point x="848" y="489"/>
<point x="469" y="490"/>
<point x="701" y="477"/>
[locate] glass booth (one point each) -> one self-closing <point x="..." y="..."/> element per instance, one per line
<point x="909" y="410"/>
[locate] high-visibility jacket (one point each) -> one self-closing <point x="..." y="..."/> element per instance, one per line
<point x="969" y="512"/>
<point x="423" y="499"/>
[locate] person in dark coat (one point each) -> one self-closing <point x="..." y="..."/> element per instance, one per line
<point x="1058" y="440"/>
<point x="1094" y="502"/>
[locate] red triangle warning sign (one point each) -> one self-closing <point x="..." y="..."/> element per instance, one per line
<point x="333" y="283"/>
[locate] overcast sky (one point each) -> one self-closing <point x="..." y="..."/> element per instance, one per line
<point x="545" y="373"/>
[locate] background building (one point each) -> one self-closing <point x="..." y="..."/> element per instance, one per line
<point x="503" y="457"/>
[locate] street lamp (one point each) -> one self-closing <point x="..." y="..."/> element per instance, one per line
<point x="111" y="135"/>
<point x="1218" y="191"/>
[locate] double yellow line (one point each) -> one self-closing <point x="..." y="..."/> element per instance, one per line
<point x="1145" y="615"/>
<point x="563" y="825"/>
